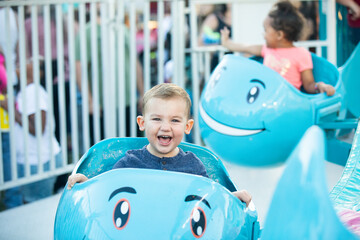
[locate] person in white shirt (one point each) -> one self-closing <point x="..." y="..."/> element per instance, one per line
<point x="36" y="97"/>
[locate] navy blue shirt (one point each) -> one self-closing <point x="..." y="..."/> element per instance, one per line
<point x="185" y="162"/>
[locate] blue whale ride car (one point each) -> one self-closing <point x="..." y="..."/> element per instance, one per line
<point x="301" y="207"/>
<point x="250" y="115"/>
<point x="151" y="204"/>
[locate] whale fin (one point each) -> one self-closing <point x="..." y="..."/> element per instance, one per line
<point x="346" y="192"/>
<point x="301" y="207"/>
<point x="349" y="74"/>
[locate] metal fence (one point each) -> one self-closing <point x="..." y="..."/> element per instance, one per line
<point x="98" y="58"/>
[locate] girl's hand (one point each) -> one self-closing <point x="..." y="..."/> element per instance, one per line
<point x="225" y="33"/>
<point x="323" y="87"/>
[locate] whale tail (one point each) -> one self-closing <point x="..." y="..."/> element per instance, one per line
<point x="301" y="207"/>
<point x="349" y="74"/>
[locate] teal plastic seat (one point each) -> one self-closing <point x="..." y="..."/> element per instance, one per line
<point x="133" y="203"/>
<point x="324" y="71"/>
<point x="102" y="156"/>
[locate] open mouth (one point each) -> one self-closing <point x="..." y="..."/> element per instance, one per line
<point x="223" y="129"/>
<point x="164" y="140"/>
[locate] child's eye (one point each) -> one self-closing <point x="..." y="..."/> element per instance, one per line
<point x="176" y="120"/>
<point x="156" y="119"/>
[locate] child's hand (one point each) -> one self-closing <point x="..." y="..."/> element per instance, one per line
<point x="225" y="33"/>
<point x="323" y="87"/>
<point x="76" y="178"/>
<point x="243" y="196"/>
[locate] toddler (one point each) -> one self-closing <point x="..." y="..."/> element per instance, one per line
<point x="165" y="119"/>
<point x="283" y="26"/>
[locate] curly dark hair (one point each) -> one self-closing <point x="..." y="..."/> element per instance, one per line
<point x="287" y="18"/>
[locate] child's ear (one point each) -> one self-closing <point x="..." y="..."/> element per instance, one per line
<point x="189" y="126"/>
<point x="280" y="34"/>
<point x="140" y="122"/>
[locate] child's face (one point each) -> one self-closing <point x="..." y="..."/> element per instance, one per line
<point x="165" y="122"/>
<point x="270" y="34"/>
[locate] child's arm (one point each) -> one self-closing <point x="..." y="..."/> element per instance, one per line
<point x="31" y="117"/>
<point x="243" y="196"/>
<point x="311" y="86"/>
<point x="238" y="47"/>
<point x="32" y="121"/>
<point x="76" y="178"/>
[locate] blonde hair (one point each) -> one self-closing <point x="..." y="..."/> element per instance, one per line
<point x="167" y="91"/>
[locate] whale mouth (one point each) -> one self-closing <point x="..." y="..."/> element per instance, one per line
<point x="223" y="129"/>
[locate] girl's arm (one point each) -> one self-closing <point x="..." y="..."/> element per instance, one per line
<point x="238" y="47"/>
<point x="311" y="86"/>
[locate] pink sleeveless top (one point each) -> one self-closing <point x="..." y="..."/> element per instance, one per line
<point x="288" y="62"/>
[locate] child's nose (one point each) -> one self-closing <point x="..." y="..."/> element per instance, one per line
<point x="165" y="126"/>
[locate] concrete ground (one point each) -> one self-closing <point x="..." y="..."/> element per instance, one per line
<point x="36" y="220"/>
<point x="262" y="182"/>
<point x="30" y="221"/>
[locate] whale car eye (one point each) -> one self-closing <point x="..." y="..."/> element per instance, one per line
<point x="253" y="94"/>
<point x="198" y="222"/>
<point x="121" y="214"/>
